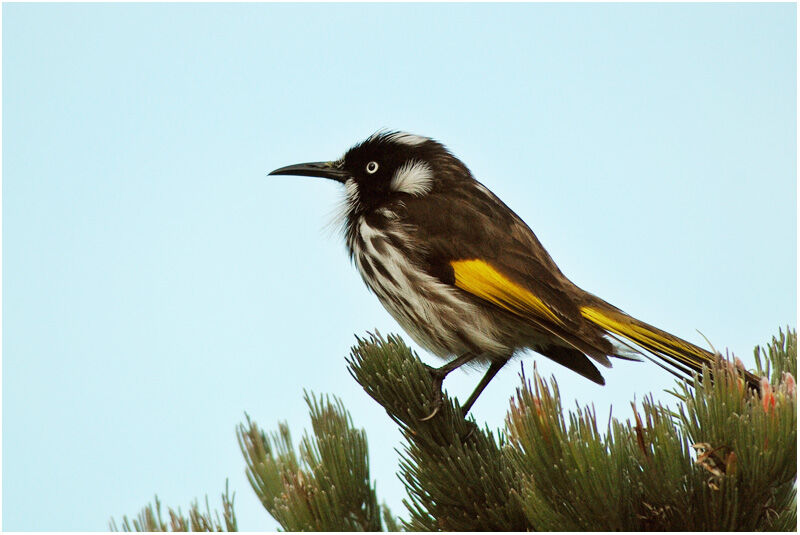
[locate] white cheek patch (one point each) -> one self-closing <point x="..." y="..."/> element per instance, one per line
<point x="414" y="178"/>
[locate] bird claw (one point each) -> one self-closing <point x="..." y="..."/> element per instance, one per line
<point x="437" y="404"/>
<point x="438" y="379"/>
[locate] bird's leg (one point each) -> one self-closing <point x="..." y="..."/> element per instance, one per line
<point x="494" y="367"/>
<point x="438" y="375"/>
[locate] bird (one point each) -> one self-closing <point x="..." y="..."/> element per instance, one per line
<point x="465" y="276"/>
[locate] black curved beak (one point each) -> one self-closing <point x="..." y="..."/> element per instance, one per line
<point x="330" y="170"/>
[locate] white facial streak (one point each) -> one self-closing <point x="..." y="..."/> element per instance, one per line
<point x="347" y="206"/>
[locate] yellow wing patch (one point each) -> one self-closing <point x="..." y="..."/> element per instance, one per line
<point x="482" y="280"/>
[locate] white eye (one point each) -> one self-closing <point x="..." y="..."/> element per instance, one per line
<point x="372" y="167"/>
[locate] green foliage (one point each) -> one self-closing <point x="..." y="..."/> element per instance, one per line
<point x="750" y="442"/>
<point x="645" y="474"/>
<point x="458" y="476"/>
<point x="780" y="356"/>
<point x="576" y="478"/>
<point x="724" y="458"/>
<point x="149" y="519"/>
<point x="326" y="487"/>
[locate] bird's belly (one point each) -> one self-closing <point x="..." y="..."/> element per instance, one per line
<point x="434" y="314"/>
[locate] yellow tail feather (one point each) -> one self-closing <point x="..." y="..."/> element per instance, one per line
<point x="650" y="338"/>
<point x="670" y="349"/>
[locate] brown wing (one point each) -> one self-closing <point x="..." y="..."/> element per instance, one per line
<point x="482" y="247"/>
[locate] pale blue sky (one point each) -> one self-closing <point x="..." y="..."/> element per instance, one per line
<point x="156" y="284"/>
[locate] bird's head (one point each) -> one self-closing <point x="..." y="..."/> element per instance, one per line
<point x="386" y="167"/>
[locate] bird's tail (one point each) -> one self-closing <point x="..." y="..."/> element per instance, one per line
<point x="677" y="356"/>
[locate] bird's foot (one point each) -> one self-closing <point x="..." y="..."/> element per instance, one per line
<point x="438" y="379"/>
